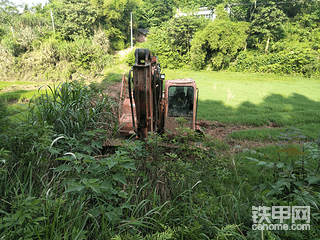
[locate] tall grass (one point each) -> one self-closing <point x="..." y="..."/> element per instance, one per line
<point x="72" y="108"/>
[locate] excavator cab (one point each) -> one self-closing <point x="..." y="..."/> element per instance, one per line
<point x="181" y="103"/>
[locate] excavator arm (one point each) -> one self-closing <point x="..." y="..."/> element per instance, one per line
<point x="147" y="93"/>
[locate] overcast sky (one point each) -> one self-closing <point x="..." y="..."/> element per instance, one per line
<point x="29" y="2"/>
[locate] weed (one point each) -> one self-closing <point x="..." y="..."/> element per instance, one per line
<point x="4" y="113"/>
<point x="71" y="108"/>
<point x="230" y="95"/>
<point x="296" y="175"/>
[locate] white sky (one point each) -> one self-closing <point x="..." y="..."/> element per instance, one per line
<point x="29" y="2"/>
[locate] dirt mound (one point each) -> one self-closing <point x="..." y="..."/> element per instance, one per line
<point x="113" y="89"/>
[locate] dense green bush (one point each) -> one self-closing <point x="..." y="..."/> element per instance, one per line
<point x="296" y="62"/>
<point x="75" y="20"/>
<point x="2" y="31"/>
<point x="217" y="45"/>
<point x="130" y="58"/>
<point x="171" y="41"/>
<point x="297" y="53"/>
<point x="11" y="46"/>
<point x="84" y="53"/>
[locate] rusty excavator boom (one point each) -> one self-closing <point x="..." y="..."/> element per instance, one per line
<point x="152" y="104"/>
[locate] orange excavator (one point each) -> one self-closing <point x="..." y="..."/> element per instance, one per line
<point x="146" y="107"/>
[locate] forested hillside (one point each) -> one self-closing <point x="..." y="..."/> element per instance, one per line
<point x="66" y="36"/>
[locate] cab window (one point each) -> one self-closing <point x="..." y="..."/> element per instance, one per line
<point x="180" y="100"/>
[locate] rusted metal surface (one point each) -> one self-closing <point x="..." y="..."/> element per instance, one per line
<point x="142" y="91"/>
<point x="147" y="92"/>
<point x="125" y="111"/>
<point x="150" y="104"/>
<point x="190" y="115"/>
<point x="147" y="96"/>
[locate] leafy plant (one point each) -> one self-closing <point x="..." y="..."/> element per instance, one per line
<point x="103" y="180"/>
<point x="218" y="44"/>
<point x="296" y="175"/>
<point x="25" y="221"/>
<point x="71" y="108"/>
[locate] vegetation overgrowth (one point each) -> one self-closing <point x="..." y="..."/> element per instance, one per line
<point x="57" y="181"/>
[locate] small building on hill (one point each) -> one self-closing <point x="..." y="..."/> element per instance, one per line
<point x="203" y="12"/>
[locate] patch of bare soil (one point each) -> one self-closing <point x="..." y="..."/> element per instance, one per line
<point x="113" y="90"/>
<point x="222" y="131"/>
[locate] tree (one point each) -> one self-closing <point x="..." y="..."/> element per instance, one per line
<point x="218" y="44"/>
<point x="268" y="23"/>
<point x="8" y="13"/>
<point x="76" y="18"/>
<point x="114" y="17"/>
<point x="154" y="12"/>
<point x="171" y="41"/>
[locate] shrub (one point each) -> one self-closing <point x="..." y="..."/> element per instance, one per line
<point x="218" y="44"/>
<point x="84" y="53"/>
<point x="2" y="32"/>
<point x="12" y="47"/>
<point x="297" y="61"/>
<point x="101" y="40"/>
<point x="130" y="58"/>
<point x="25" y="37"/>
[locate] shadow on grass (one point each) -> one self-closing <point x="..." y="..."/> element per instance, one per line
<point x="276" y="109"/>
<point x="17" y="95"/>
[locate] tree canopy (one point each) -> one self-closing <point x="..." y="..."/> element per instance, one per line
<point x="242" y="30"/>
<point x="218" y="44"/>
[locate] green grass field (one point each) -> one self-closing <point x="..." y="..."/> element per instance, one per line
<point x="256" y="99"/>
<point x="239" y="98"/>
<point x="17" y="91"/>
